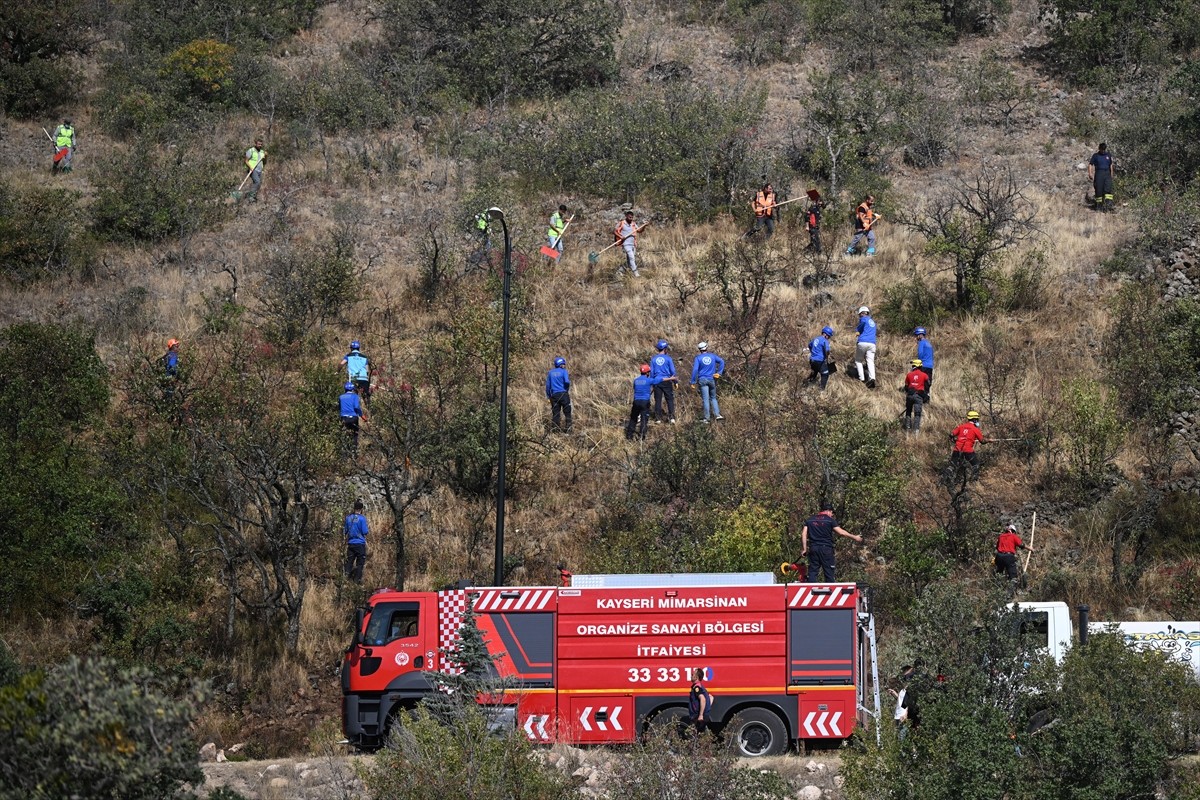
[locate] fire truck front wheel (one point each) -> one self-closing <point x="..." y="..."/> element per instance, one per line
<point x="758" y="732"/>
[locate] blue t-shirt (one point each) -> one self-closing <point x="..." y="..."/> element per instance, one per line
<point x="350" y="405"/>
<point x="557" y="380"/>
<point x="818" y="349"/>
<point x="662" y="366"/>
<point x="706" y="365"/>
<point x="1102" y="162"/>
<point x="642" y="387"/>
<point x="171" y="362"/>
<point x="866" y="330"/>
<point x="355" y="529"/>
<point x="925" y="353"/>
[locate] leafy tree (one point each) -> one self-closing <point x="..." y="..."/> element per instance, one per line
<point x="997" y="721"/>
<point x="850" y="127"/>
<point x="1101" y="42"/>
<point x="59" y="509"/>
<point x="1089" y="428"/>
<point x="488" y="49"/>
<point x="35" y="41"/>
<point x="971" y="223"/>
<point x="89" y="729"/>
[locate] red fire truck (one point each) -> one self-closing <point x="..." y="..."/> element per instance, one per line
<point x="596" y="661"/>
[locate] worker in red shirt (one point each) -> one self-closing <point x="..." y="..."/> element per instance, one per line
<point x="1006" y="552"/>
<point x="965" y="436"/>
<point x="916" y="392"/>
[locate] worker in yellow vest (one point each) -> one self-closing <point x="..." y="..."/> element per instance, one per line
<point x="64" y="146"/>
<point x="254" y="163"/>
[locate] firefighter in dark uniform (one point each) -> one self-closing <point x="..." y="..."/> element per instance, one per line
<point x="1006" y="552"/>
<point x="820" y="530"/>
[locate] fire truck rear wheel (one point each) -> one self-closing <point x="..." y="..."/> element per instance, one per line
<point x="758" y="732"/>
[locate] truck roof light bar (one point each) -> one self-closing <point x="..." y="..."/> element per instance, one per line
<point x="676" y="579"/>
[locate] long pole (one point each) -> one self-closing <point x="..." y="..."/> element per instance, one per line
<point x="507" y="293"/>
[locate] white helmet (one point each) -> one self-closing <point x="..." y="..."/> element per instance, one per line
<point x="864" y="310"/>
<point x="702" y="346"/>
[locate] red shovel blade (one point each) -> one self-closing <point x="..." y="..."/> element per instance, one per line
<point x="549" y="252"/>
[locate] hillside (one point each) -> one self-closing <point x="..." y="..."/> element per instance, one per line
<point x="195" y="524"/>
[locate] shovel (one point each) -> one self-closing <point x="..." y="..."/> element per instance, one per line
<point x="550" y="252"/>
<point x="593" y="256"/>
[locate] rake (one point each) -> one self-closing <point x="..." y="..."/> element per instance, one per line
<point x="236" y="194"/>
<point x="593" y="256"/>
<point x="550" y="252"/>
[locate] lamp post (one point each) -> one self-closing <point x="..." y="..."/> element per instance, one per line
<point x="496" y="214"/>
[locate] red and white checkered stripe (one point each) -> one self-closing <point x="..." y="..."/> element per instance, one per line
<point x="491" y="600"/>
<point x="452" y="604"/>
<point x="829" y="595"/>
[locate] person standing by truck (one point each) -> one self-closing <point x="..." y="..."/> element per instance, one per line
<point x="699" y="701"/>
<point x="820" y="530"/>
<point x="1006" y="552"/>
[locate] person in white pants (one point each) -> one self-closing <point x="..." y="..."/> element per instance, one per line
<point x="864" y="351"/>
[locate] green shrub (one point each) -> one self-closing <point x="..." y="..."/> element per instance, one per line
<point x="202" y="68"/>
<point x="89" y="729"/>
<point x="338" y="97"/>
<point x="42" y="234"/>
<point x="493" y="48"/>
<point x="1090" y="429"/>
<point x="680" y="146"/>
<point x="747" y="539"/>
<point x="150" y="193"/>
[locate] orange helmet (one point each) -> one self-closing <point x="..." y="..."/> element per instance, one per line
<point x="172" y="343"/>
<point x="645" y="369"/>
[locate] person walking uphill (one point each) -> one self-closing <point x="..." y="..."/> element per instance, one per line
<point x="706" y="371"/>
<point x="916" y="385"/>
<point x="170" y="364"/>
<point x="1101" y="172"/>
<point x="864" y="224"/>
<point x="1006" y="552"/>
<point x="764" y="203"/>
<point x="358" y="370"/>
<point x="639" y="413"/>
<point x="965" y="437"/>
<point x="818" y="532"/>
<point x="351" y="411"/>
<point x="662" y="372"/>
<point x="356" y="531"/>
<point x="818" y="357"/>
<point x="626" y="233"/>
<point x="925" y="354"/>
<point x="864" y="349"/>
<point x="64" y="146"/>
<point x="812" y="220"/>
<point x="254" y="163"/>
<point x="558" y="392"/>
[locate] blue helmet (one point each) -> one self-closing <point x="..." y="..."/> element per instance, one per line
<point x="828" y="331"/>
<point x="356" y="344"/>
<point x="560" y="362"/>
<point x="349" y="387"/>
<point x="919" y="332"/>
<point x="662" y="344"/>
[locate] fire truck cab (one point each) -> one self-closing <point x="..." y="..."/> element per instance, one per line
<point x="598" y="660"/>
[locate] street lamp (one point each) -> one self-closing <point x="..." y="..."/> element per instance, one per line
<point x="496" y="214"/>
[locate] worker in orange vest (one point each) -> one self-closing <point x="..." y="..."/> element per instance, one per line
<point x="864" y="221"/>
<point x="764" y="209"/>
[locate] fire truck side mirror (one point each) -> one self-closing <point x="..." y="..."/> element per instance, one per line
<point x="359" y="615"/>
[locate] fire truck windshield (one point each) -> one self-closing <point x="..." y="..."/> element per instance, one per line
<point x="392" y="621"/>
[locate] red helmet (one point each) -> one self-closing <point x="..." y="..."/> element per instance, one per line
<point x="172" y="343"/>
<point x="645" y="369"/>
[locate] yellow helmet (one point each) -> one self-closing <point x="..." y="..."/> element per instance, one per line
<point x="916" y="362"/>
<point x="972" y="415"/>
